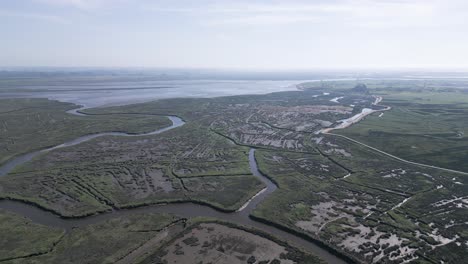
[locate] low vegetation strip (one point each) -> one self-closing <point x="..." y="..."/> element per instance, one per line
<point x="426" y="127"/>
<point x="397" y="158"/>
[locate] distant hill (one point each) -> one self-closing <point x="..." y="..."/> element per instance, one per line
<point x="360" y="88"/>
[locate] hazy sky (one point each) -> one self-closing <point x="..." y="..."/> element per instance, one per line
<point x="235" y="34"/>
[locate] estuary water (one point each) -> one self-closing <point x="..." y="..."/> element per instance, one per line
<point x="113" y="93"/>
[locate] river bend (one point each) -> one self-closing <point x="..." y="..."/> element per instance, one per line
<point x="187" y="210"/>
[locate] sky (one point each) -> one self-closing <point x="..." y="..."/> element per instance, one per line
<point x="240" y="34"/>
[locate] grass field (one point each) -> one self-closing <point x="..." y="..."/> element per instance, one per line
<point x="104" y="242"/>
<point x="425" y="127"/>
<point x="21" y="238"/>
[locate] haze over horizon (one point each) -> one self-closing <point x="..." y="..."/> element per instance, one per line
<point x="261" y="35"/>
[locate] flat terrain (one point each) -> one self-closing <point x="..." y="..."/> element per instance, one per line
<point x="187" y="164"/>
<point x="143" y="238"/>
<point x="20" y="238"/>
<point x="33" y="124"/>
<point x="105" y="242"/>
<point x="218" y="243"/>
<point x="353" y="200"/>
<point x="425" y="127"/>
<point x="382" y="211"/>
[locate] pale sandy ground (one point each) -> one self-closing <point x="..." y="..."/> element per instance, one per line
<point x="215" y="243"/>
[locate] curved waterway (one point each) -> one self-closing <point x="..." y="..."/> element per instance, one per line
<point x="186" y="210"/>
<point x="11" y="164"/>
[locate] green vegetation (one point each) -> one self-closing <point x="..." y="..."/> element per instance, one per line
<point x="104" y="242"/>
<point x="32" y="124"/>
<point x="190" y="163"/>
<point x="384" y="85"/>
<point x="21" y="238"/>
<point x="383" y="206"/>
<point x="138" y="238"/>
<point x="196" y="162"/>
<point x="425" y="127"/>
<point x="354" y="200"/>
<point x="206" y="240"/>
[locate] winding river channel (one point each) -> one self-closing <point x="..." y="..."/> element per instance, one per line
<point x="187" y="210"/>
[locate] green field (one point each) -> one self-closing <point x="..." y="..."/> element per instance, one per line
<point x="104" y="242"/>
<point x="22" y="238"/>
<point x="425" y="127"/>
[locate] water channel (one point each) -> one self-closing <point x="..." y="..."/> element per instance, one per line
<point x="187" y="210"/>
